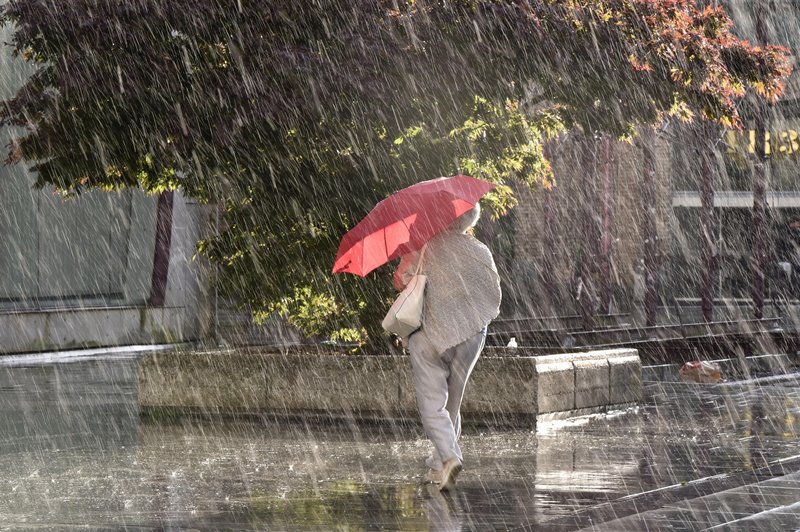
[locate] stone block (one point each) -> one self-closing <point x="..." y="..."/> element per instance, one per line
<point x="555" y="384"/>
<point x="23" y="331"/>
<point x="606" y="353"/>
<point x="502" y="386"/>
<point x="407" y="400"/>
<point x="591" y="383"/>
<point x="204" y="381"/>
<point x="564" y="357"/>
<point x="88" y="328"/>
<point x="625" y="385"/>
<point x="346" y="384"/>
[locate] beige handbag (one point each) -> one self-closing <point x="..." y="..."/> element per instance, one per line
<point x="405" y="315"/>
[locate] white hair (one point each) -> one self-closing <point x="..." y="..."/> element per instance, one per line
<point x="466" y="220"/>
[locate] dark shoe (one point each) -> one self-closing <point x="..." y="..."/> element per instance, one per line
<point x="450" y="471"/>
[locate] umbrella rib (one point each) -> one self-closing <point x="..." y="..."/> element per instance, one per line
<point x="407" y="228"/>
<point x="385" y="243"/>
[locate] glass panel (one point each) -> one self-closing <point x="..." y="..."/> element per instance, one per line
<point x="786" y="281"/>
<point x="735" y="252"/>
<point x="93" y="250"/>
<point x="97" y="249"/>
<point x="75" y="256"/>
<point x="685" y="277"/>
<point x="18" y="245"/>
<point x="784" y="161"/>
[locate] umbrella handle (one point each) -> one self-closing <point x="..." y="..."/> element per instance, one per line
<point x="421" y="256"/>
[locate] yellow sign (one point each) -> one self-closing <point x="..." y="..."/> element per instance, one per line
<point x="780" y="143"/>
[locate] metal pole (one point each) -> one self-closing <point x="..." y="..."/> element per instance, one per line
<point x="650" y="228"/>
<point x="708" y="222"/>
<point x="759" y="261"/>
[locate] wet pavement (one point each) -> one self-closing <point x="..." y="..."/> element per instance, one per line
<point x="74" y="454"/>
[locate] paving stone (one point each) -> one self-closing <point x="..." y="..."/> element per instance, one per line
<point x="76" y="450"/>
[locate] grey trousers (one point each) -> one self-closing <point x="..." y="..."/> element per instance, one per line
<point x="439" y="383"/>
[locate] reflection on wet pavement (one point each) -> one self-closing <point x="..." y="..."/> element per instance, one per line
<point x="73" y="453"/>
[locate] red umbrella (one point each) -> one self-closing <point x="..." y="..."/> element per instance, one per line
<point x="406" y="220"/>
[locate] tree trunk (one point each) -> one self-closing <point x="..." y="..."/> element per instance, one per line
<point x="158" y="285"/>
<point x="607" y="236"/>
<point x="759" y="219"/>
<point x="759" y="187"/>
<point x="649" y="227"/>
<point x="549" y="239"/>
<point x="708" y="221"/>
<point x="586" y="290"/>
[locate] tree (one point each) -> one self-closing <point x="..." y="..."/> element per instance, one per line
<point x="299" y="116"/>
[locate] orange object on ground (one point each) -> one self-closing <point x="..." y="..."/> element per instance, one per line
<point x="701" y="371"/>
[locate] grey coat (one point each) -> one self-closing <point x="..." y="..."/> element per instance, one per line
<point x="462" y="294"/>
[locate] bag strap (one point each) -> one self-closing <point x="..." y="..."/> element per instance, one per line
<point x="421" y="256"/>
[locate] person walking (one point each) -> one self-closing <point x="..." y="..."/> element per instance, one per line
<point x="462" y="296"/>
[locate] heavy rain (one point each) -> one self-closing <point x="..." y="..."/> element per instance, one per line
<point x="590" y="210"/>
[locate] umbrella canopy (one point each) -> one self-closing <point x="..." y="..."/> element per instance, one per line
<point x="405" y="221"/>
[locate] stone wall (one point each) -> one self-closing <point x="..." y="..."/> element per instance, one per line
<point x="504" y="389"/>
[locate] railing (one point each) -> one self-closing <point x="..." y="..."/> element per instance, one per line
<point x="625" y="335"/>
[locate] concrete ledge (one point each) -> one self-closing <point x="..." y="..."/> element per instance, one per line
<point x="338" y="383"/>
<point x="208" y="381"/>
<point x="60" y="329"/>
<point x="577" y="381"/>
<point x="502" y="390"/>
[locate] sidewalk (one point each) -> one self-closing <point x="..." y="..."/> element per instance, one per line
<point x="692" y="456"/>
